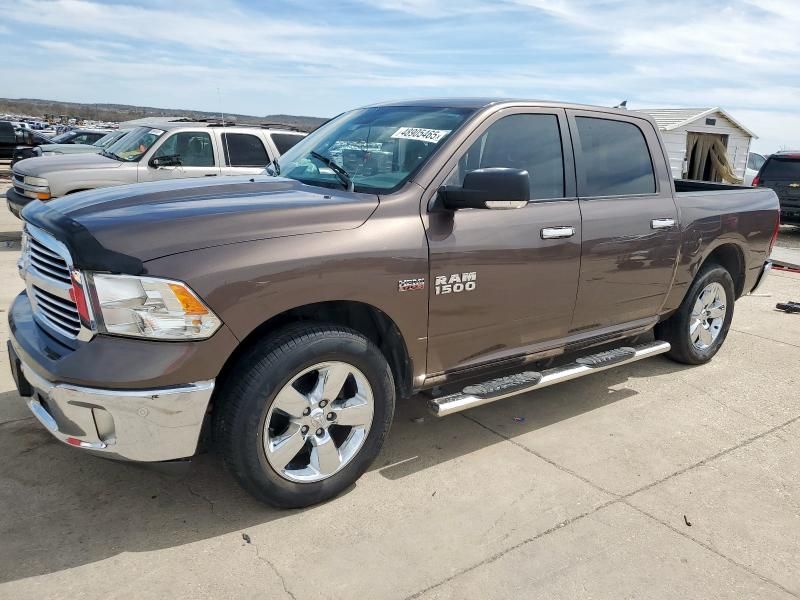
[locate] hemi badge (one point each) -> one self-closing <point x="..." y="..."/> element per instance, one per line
<point x="409" y="285"/>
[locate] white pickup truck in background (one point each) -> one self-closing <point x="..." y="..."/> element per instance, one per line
<point x="173" y="150"/>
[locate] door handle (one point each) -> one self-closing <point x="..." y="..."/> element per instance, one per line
<point x="211" y="174"/>
<point x="554" y="233"/>
<point x="662" y="223"/>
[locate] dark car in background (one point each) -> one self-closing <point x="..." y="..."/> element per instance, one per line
<point x="26" y="148"/>
<point x="781" y="173"/>
<point x="8" y="139"/>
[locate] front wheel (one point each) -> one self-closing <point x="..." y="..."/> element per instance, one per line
<point x="305" y="413"/>
<point x="698" y="328"/>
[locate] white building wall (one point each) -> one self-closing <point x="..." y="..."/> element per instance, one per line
<point x="738" y="143"/>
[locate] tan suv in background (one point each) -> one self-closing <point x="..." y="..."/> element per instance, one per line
<point x="173" y="150"/>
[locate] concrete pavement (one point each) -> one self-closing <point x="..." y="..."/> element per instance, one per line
<point x="654" y="480"/>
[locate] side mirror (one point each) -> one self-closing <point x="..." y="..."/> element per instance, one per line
<point x="496" y="187"/>
<point x="172" y="160"/>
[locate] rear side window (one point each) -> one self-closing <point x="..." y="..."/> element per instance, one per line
<point x="244" y="150"/>
<point x="284" y="141"/>
<point x="613" y="159"/>
<point x="528" y="142"/>
<point x="782" y="168"/>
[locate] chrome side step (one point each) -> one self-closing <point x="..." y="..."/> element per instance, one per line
<point x="521" y="383"/>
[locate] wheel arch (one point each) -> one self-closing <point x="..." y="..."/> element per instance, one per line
<point x="729" y="256"/>
<point x="364" y="318"/>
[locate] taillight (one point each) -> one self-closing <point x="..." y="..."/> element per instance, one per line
<point x="756" y="181"/>
<point x="774" y="234"/>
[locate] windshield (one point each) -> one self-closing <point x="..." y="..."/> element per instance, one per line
<point x="108" y="139"/>
<point x="782" y="168"/>
<point x="63" y="137"/>
<point x="135" y="144"/>
<point x="377" y="149"/>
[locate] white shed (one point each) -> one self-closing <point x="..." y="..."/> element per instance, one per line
<point x="693" y="136"/>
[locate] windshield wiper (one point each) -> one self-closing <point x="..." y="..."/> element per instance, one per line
<point x="343" y="175"/>
<point x="108" y="154"/>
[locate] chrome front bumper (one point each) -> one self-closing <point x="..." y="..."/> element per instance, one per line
<point x="137" y="425"/>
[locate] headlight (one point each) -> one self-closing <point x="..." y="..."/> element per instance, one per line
<point x="37" y="181"/>
<point x="152" y="308"/>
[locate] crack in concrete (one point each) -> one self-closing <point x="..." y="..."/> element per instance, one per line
<point x="616" y="498"/>
<point x="199" y="495"/>
<point x="761" y="337"/>
<point x="711" y="549"/>
<point x="274" y="570"/>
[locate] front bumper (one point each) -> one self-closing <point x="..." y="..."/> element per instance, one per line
<point x="16" y="201"/>
<point x="138" y="425"/>
<point x="123" y="398"/>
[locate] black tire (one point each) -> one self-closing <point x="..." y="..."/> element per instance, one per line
<point x="675" y="330"/>
<point x="250" y="388"/>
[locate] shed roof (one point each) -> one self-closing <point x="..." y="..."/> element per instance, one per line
<point x="674" y="118"/>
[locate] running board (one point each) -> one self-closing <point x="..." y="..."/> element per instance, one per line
<point x="527" y="381"/>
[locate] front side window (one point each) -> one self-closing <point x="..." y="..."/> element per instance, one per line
<point x="244" y="150"/>
<point x="193" y="148"/>
<point x="371" y="149"/>
<point x="613" y="159"/>
<point x="528" y="142"/>
<point x="133" y="146"/>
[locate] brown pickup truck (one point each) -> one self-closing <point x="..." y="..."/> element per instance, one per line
<point x="464" y="245"/>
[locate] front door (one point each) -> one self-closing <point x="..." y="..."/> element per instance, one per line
<point x="503" y="282"/>
<point x="630" y="222"/>
<point x="195" y="151"/>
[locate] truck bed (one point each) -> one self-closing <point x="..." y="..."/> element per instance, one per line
<point x="694" y="185"/>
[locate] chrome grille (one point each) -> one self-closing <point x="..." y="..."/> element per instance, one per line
<point x="63" y="314"/>
<point x="47" y="269"/>
<point x="48" y="262"/>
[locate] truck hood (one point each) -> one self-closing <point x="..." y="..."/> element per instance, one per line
<point x="151" y="220"/>
<point x="71" y="148"/>
<point x="40" y="166"/>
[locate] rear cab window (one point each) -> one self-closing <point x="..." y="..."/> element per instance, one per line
<point x="779" y="167"/>
<point x="612" y="159"/>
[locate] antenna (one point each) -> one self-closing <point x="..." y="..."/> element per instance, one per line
<point x="224" y="135"/>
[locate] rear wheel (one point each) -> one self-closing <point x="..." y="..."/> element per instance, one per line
<point x="305" y="413"/>
<point x="698" y="328"/>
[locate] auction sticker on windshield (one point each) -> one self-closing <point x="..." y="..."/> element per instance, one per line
<point x="420" y="134"/>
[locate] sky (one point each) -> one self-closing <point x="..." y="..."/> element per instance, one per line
<point x="308" y="57"/>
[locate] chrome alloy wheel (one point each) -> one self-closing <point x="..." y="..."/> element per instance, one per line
<point x="708" y="316"/>
<point x="318" y="422"/>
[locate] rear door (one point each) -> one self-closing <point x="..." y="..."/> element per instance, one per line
<point x="195" y="149"/>
<point x="629" y="222"/>
<point x="244" y="153"/>
<point x="503" y="282"/>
